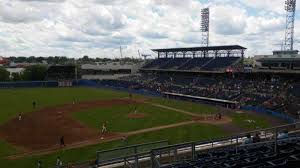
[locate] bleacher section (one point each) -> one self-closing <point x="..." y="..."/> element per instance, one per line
<point x="61" y="73"/>
<point x="208" y="63"/>
<point x="261" y="155"/>
<point x="175" y="63"/>
<point x="209" y="58"/>
<point x="221" y="62"/>
<point x="156" y="63"/>
<point x="194" y="63"/>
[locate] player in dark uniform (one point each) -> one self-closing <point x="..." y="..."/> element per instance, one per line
<point x="34" y="104"/>
<point x="39" y="164"/>
<point x="62" y="141"/>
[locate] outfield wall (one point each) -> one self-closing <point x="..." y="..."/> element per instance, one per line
<point x="27" y="84"/>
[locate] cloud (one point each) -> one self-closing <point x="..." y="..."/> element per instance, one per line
<point x="44" y="1"/>
<point x="228" y="20"/>
<point x="18" y="13"/>
<point x="99" y="27"/>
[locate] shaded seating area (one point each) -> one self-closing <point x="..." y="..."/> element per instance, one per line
<point x="220" y="62"/>
<point x="64" y="72"/>
<point x="175" y="63"/>
<point x="194" y="63"/>
<point x="196" y="58"/>
<point x="260" y="155"/>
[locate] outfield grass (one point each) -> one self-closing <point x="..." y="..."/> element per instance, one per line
<point x="175" y="135"/>
<point x="118" y="121"/>
<point x="185" y="105"/>
<point x="14" y="101"/>
<point x="243" y="120"/>
<point x="6" y="149"/>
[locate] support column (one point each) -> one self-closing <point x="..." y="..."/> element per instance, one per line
<point x="216" y="53"/>
<point x="228" y="53"/>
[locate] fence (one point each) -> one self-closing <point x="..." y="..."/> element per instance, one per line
<point x="188" y="151"/>
<point x="128" y="155"/>
<point x="28" y="84"/>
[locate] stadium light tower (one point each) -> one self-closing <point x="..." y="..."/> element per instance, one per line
<point x="290" y="7"/>
<point x="205" y="26"/>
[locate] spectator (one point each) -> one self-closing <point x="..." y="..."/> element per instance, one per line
<point x="39" y="164"/>
<point x="248" y="139"/>
<point x="256" y="138"/>
<point x="283" y="135"/>
<point x="59" y="162"/>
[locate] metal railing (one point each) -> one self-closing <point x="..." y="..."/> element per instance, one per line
<point x="128" y="155"/>
<point x="188" y="151"/>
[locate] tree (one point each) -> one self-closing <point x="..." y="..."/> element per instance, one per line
<point x="34" y="73"/>
<point x="4" y="74"/>
<point x="16" y="77"/>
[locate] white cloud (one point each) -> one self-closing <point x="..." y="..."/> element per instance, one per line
<point x="228" y="20"/>
<point x="99" y="27"/>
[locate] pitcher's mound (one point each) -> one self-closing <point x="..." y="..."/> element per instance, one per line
<point x="136" y="116"/>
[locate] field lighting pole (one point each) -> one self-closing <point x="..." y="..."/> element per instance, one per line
<point x="290" y="7"/>
<point x="205" y="26"/>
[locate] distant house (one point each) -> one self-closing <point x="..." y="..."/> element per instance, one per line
<point x="3" y="61"/>
<point x="14" y="70"/>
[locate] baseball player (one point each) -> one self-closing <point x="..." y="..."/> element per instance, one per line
<point x="104" y="129"/>
<point x="135" y="110"/>
<point x="62" y="141"/>
<point x="34" y="104"/>
<point x="20" y="117"/>
<point x="39" y="164"/>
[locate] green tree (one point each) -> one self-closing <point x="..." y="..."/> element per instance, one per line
<point x="16" y="77"/>
<point x="34" y="73"/>
<point x="4" y="74"/>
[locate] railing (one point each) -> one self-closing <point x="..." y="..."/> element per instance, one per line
<point x="128" y="155"/>
<point x="188" y="151"/>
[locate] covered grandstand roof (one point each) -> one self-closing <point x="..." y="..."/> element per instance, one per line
<point x="227" y="47"/>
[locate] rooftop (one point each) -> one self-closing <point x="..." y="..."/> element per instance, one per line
<point x="210" y="48"/>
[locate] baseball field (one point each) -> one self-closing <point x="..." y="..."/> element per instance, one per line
<point x="30" y="133"/>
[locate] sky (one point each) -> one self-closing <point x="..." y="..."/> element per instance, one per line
<point x="98" y="28"/>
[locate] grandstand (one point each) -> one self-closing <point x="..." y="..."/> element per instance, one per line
<point x="64" y="74"/>
<point x="108" y="70"/>
<point x="213" y="58"/>
<point x="279" y="61"/>
<point x="61" y="72"/>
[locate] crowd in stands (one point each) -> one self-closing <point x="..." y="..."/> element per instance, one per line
<point x="273" y="94"/>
